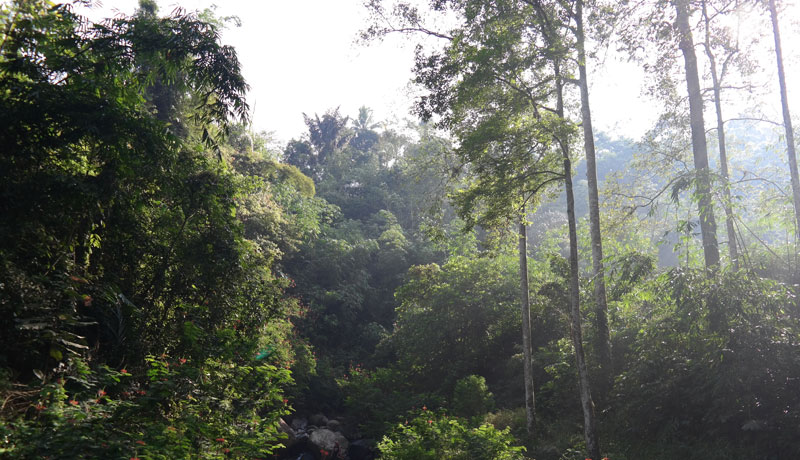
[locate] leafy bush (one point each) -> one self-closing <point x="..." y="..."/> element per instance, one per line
<point x="513" y="419"/>
<point x="379" y="398"/>
<point x="180" y="409"/>
<point x="431" y="436"/>
<point x="714" y="362"/>
<point x="471" y="397"/>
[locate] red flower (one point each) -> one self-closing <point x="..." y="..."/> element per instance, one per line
<point x="430" y="421"/>
<point x="140" y="442"/>
<point x="101" y="392"/>
<point x="182" y="360"/>
<point x="220" y="439"/>
<point x="424" y="408"/>
<point x="41" y="407"/>
<point x="124" y="371"/>
<point x="73" y="402"/>
<point x="134" y="458"/>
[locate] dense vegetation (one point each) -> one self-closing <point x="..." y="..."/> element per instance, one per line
<point x="494" y="281"/>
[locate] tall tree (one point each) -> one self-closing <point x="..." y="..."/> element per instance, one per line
<point x="502" y="146"/>
<point x="603" y="344"/>
<point x="587" y="404"/>
<point x="708" y="226"/>
<point x="494" y="87"/>
<point x="525" y="305"/>
<point x="787" y="117"/>
<point x="717" y="75"/>
<point x="559" y="24"/>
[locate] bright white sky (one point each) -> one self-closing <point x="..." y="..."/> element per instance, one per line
<point x="300" y="56"/>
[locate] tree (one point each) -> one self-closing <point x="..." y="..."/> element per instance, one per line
<point x="587" y="404"/>
<point x="503" y="144"/>
<point x="491" y="86"/>
<point x="124" y="262"/>
<point x="716" y="80"/>
<point x="708" y="226"/>
<point x="603" y="342"/>
<point x="787" y="118"/>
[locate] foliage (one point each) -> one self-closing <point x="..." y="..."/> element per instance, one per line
<point x="456" y="320"/>
<point x="181" y="409"/>
<point x="430" y="436"/>
<point x="471" y="397"/>
<point x="145" y="314"/>
<point x="680" y="356"/>
<point x="380" y="398"/>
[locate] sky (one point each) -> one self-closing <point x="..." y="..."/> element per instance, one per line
<point x="302" y="56"/>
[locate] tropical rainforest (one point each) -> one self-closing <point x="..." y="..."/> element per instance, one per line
<point x="491" y="279"/>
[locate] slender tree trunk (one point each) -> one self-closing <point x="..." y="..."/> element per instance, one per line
<point x="787" y="118"/>
<point x="603" y="336"/>
<point x="587" y="405"/>
<point x="723" y="154"/>
<point x="530" y="402"/>
<point x="708" y="226"/>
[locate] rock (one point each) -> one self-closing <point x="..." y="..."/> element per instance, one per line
<point x="324" y="438"/>
<point x="334" y="425"/>
<point x="292" y="437"/>
<point x="299" y="424"/>
<point x="318" y="419"/>
<point x="361" y="450"/>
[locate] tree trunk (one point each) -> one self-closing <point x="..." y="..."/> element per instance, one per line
<point x="587" y="405"/>
<point x="787" y="118"/>
<point x="530" y="402"/>
<point x="723" y="154"/>
<point x="603" y="336"/>
<point x="708" y="226"/>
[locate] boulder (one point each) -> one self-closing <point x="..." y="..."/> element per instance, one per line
<point x="335" y="425"/>
<point x="299" y="424"/>
<point x="318" y="419"/>
<point x="324" y="438"/>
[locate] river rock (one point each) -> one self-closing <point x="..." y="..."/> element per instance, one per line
<point x="324" y="438"/>
<point x="318" y="419"/>
<point x="299" y="424"/>
<point x="335" y="425"/>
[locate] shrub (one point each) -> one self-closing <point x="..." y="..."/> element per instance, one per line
<point x="431" y="436"/>
<point x="471" y="397"/>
